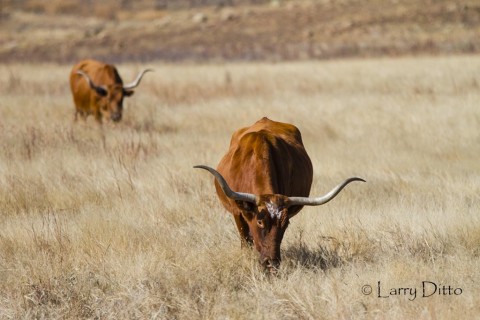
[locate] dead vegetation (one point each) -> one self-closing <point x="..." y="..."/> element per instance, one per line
<point x="113" y="222"/>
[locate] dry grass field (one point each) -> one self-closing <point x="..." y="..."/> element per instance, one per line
<point x="113" y="222"/>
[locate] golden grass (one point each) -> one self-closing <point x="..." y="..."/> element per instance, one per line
<point x="114" y="223"/>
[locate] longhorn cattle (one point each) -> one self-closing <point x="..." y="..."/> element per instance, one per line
<point x="98" y="90"/>
<point x="264" y="180"/>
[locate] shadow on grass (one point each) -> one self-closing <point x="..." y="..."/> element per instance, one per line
<point x="325" y="256"/>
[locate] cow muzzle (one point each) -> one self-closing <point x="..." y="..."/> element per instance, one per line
<point x="117" y="116"/>
<point x="271" y="265"/>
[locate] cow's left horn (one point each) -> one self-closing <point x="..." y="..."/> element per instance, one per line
<point x="136" y="82"/>
<point x="99" y="89"/>
<point x="304" y="201"/>
<point x="238" y="196"/>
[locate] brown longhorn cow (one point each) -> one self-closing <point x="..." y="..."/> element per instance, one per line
<point x="98" y="90"/>
<point x="264" y="180"/>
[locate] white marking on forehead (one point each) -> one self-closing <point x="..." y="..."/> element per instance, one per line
<point x="273" y="210"/>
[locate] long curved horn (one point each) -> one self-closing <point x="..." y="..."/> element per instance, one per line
<point x="238" y="196"/>
<point x="136" y="82"/>
<point x="99" y="89"/>
<point x="305" y="201"/>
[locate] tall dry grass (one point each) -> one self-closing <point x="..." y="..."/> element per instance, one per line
<point x="113" y="222"/>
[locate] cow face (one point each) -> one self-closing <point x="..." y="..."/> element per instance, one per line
<point x="110" y="101"/>
<point x="267" y="221"/>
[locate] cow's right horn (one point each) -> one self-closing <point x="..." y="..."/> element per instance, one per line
<point x="99" y="89"/>
<point x="237" y="196"/>
<point x="136" y="82"/>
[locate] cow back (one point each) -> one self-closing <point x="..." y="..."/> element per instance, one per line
<point x="101" y="73"/>
<point x="266" y="158"/>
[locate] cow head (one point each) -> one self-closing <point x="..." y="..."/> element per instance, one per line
<point x="267" y="218"/>
<point x="109" y="98"/>
<point x="268" y="215"/>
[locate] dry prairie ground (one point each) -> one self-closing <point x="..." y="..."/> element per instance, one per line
<point x="113" y="222"/>
<point x="68" y="30"/>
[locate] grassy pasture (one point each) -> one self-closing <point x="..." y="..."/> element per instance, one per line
<point x="113" y="222"/>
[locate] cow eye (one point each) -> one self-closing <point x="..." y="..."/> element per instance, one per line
<point x="260" y="224"/>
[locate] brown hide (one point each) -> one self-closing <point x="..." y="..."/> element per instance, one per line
<point x="88" y="101"/>
<point x="267" y="159"/>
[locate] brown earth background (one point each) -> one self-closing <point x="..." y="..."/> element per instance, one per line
<point x="65" y="31"/>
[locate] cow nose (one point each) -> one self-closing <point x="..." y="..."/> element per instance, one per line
<point x="116" y="117"/>
<point x="271" y="264"/>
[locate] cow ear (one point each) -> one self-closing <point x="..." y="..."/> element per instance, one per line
<point x="293" y="210"/>
<point x="101" y="91"/>
<point x="245" y="206"/>
<point x="128" y="93"/>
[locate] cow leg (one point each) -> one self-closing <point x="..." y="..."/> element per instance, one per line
<point x="82" y="114"/>
<point x="98" y="117"/>
<point x="242" y="226"/>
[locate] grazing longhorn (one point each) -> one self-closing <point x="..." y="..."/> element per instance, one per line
<point x="264" y="180"/>
<point x="98" y="90"/>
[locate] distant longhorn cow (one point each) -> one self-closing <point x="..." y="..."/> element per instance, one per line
<point x="271" y="173"/>
<point x="98" y="90"/>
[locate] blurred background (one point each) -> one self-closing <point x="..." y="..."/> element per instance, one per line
<point x="65" y="31"/>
